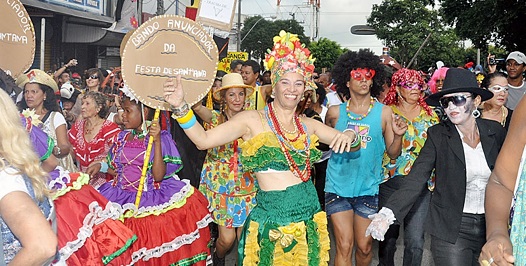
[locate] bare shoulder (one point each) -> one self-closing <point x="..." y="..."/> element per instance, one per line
<point x="331" y="118"/>
<point x="253" y="120"/>
<point x="386" y="113"/>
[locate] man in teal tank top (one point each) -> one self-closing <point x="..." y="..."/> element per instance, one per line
<point x="351" y="189"/>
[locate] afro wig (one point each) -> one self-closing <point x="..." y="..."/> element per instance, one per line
<point x="350" y="60"/>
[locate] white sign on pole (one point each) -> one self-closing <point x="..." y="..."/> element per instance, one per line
<point x="216" y="13"/>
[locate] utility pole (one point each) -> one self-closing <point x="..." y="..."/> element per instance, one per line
<point x="239" y="25"/>
<point x="160" y="7"/>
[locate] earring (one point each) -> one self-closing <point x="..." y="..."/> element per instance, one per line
<point x="370" y="86"/>
<point x="273" y="94"/>
<point x="476" y="113"/>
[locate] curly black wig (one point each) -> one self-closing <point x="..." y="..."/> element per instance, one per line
<point x="364" y="58"/>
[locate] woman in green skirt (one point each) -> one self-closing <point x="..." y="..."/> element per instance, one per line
<point x="287" y="224"/>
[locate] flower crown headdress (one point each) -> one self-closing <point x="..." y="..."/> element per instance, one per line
<point x="289" y="55"/>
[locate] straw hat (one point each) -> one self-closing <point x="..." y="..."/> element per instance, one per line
<point x="233" y="80"/>
<point x="37" y="76"/>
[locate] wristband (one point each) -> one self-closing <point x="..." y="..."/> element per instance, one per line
<point x="357" y="138"/>
<point x="189" y="124"/>
<point x="186" y="118"/>
<point x="103" y="167"/>
<point x="356" y="141"/>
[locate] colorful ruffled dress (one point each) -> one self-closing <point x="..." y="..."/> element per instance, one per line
<point x="172" y="220"/>
<point x="89" y="232"/>
<point x="287" y="227"/>
<point x="230" y="190"/>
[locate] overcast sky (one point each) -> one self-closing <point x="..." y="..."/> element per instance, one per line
<point x="336" y="18"/>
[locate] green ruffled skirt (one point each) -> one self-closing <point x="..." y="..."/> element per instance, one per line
<point x="286" y="226"/>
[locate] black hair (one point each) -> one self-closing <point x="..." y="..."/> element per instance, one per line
<point x="489" y="77"/>
<point x="256" y="68"/>
<point x="350" y="60"/>
<point x="93" y="71"/>
<point x="50" y="103"/>
<point x="65" y="72"/>
<point x="235" y="63"/>
<point x="151" y="112"/>
<point x="322" y="94"/>
<point x="389" y="71"/>
<point x="220" y="74"/>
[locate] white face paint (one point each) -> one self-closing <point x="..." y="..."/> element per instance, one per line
<point x="459" y="115"/>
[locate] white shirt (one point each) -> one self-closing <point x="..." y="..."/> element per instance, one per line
<point x="515" y="95"/>
<point x="477" y="175"/>
<point x="11" y="182"/>
<point x="333" y="99"/>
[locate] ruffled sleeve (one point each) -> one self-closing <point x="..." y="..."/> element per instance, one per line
<point x="171" y="155"/>
<point x="42" y="143"/>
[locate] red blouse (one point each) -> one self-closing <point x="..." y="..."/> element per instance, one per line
<point x="96" y="149"/>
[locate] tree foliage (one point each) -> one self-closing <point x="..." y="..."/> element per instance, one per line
<point x="258" y="33"/>
<point x="488" y="21"/>
<point x="404" y="25"/>
<point x="326" y="52"/>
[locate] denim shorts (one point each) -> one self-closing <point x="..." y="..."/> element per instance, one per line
<point x="361" y="205"/>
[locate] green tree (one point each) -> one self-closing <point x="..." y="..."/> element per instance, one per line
<point x="326" y="52"/>
<point x="404" y="34"/>
<point x="259" y="38"/>
<point x="487" y="21"/>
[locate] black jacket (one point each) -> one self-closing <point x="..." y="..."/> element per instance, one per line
<point x="443" y="152"/>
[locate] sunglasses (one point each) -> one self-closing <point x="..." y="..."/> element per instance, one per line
<point x="498" y="88"/>
<point x="361" y="73"/>
<point x="408" y="85"/>
<point x="457" y="100"/>
<point x="92" y="77"/>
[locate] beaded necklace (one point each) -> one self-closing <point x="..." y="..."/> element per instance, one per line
<point x="348" y="108"/>
<point x="286" y="146"/>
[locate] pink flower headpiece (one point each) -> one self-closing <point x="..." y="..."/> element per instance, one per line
<point x="289" y="55"/>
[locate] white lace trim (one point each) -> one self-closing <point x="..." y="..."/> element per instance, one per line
<point x="182" y="194"/>
<point x="96" y="216"/>
<point x="63" y="175"/>
<point x="186" y="239"/>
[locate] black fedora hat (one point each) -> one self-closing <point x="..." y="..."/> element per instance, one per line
<point x="459" y="80"/>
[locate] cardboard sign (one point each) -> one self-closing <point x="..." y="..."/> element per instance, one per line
<point x="17" y="38"/>
<point x="164" y="47"/>
<point x="216" y="13"/>
<point x="224" y="64"/>
<point x="125" y="41"/>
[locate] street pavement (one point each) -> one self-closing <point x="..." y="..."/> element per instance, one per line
<point x="427" y="260"/>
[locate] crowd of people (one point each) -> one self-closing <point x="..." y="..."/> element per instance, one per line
<point x="92" y="176"/>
